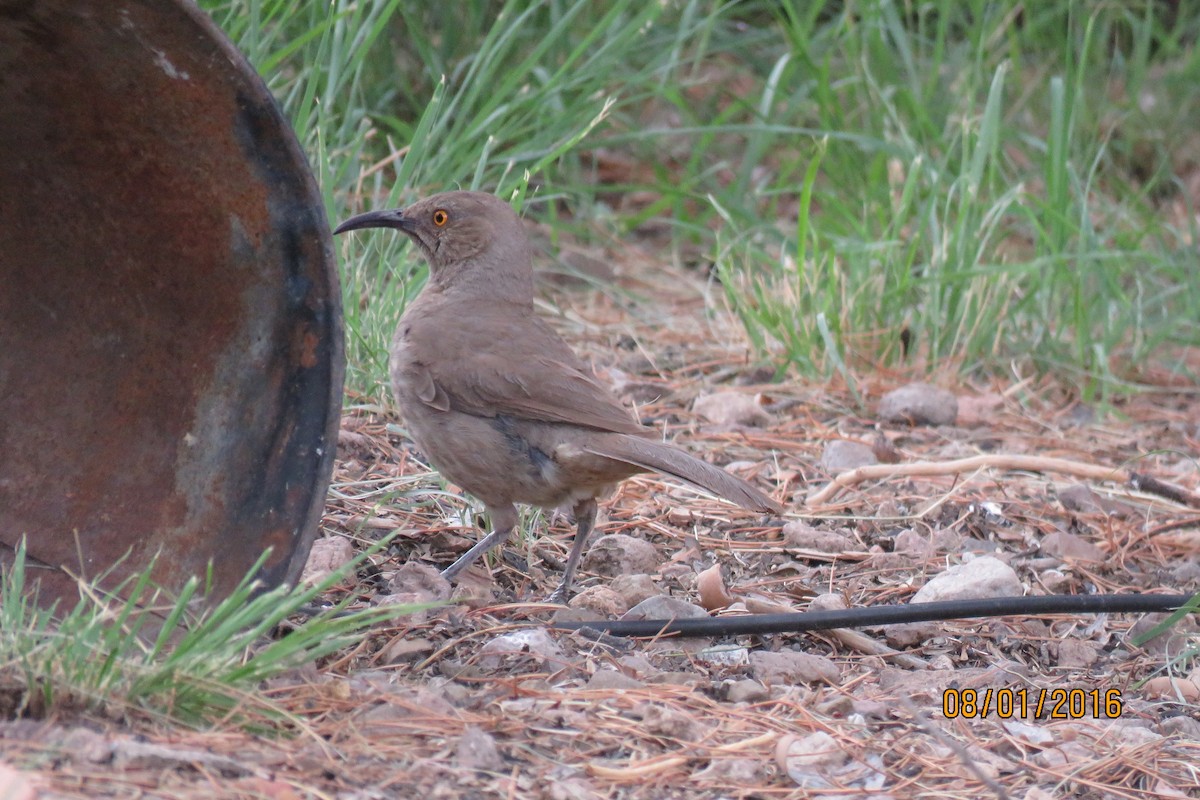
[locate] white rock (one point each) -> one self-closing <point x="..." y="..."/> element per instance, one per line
<point x="841" y="455"/>
<point x="809" y="760"/>
<point x="986" y="576"/>
<point x="533" y="642"/>
<point x="790" y="667"/>
<point x="732" y="408"/>
<point x="724" y="656"/>
<point x="662" y="606"/>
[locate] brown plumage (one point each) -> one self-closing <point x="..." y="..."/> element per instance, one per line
<point x="496" y="399"/>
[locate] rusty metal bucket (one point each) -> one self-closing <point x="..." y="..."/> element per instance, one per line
<point x="171" y="354"/>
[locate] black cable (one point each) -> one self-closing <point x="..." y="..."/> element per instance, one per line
<point x="884" y="615"/>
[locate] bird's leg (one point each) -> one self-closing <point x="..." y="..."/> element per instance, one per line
<point x="504" y="519"/>
<point x="585" y="519"/>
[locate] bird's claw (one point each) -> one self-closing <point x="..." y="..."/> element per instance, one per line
<point x="559" y="596"/>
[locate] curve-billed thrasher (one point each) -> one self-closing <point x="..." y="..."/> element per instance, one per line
<point x="495" y="398"/>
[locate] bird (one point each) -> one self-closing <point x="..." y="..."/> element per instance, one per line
<point x="497" y="401"/>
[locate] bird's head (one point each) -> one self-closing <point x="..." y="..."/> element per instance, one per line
<point x="459" y="233"/>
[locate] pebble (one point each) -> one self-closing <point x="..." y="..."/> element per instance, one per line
<point x="919" y="404"/>
<point x="985" y="576"/>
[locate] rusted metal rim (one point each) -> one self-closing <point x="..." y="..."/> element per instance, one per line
<point x="171" y="354"/>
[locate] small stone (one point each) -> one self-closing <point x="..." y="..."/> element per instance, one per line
<point x="802" y="535"/>
<point x="1054" y="581"/>
<point x="573" y="788"/>
<point x="569" y="614"/>
<point x="985" y="576"/>
<point x="1036" y="735"/>
<point x="619" y="554"/>
<point x="1186" y="571"/>
<point x="608" y="679"/>
<point x="829" y="601"/>
<point x="906" y="635"/>
<point x="1079" y="415"/>
<point x="921" y="687"/>
<point x="747" y="690"/>
<point x="872" y="709"/>
<point x="403" y="703"/>
<point x="1037" y="793"/>
<point x="669" y="722"/>
<point x="84" y="744"/>
<point x="736" y="771"/>
<point x="1080" y="498"/>
<point x="919" y="404"/>
<point x="326" y="557"/>
<point x="663" y="606"/>
<point x="421" y="580"/>
<point x="405" y="648"/>
<point x="1165" y="687"/>
<point x="638" y="664"/>
<point x="724" y="656"/>
<point x="911" y="541"/>
<point x="1182" y="726"/>
<point x="412" y="606"/>
<point x="812" y="750"/>
<point x="368" y="680"/>
<point x="1063" y="756"/>
<point x="841" y="455"/>
<point x="1070" y="547"/>
<point x="791" y="667"/>
<point x="1130" y="732"/>
<point x="810" y="760"/>
<point x="1077" y="653"/>
<point x="477" y="750"/>
<point x="533" y="643"/>
<point x="634" y="588"/>
<point x="677" y="678"/>
<point x="601" y="600"/>
<point x="732" y="409"/>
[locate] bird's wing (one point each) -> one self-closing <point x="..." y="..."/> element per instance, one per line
<point x="531" y="373"/>
<point x="539" y="387"/>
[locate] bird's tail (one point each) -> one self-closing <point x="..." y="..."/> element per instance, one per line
<point x="670" y="460"/>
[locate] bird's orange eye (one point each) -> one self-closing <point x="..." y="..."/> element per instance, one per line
<point x="440" y="217"/>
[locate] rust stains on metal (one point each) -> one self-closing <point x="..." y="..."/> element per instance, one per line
<point x="170" y="334"/>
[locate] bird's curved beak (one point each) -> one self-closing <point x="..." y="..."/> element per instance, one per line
<point x="390" y="218"/>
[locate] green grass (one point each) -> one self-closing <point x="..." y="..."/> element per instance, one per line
<point x="1000" y="182"/>
<point x="138" y="651"/>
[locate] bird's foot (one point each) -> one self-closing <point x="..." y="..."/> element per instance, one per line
<point x="493" y="539"/>
<point x="560" y="596"/>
